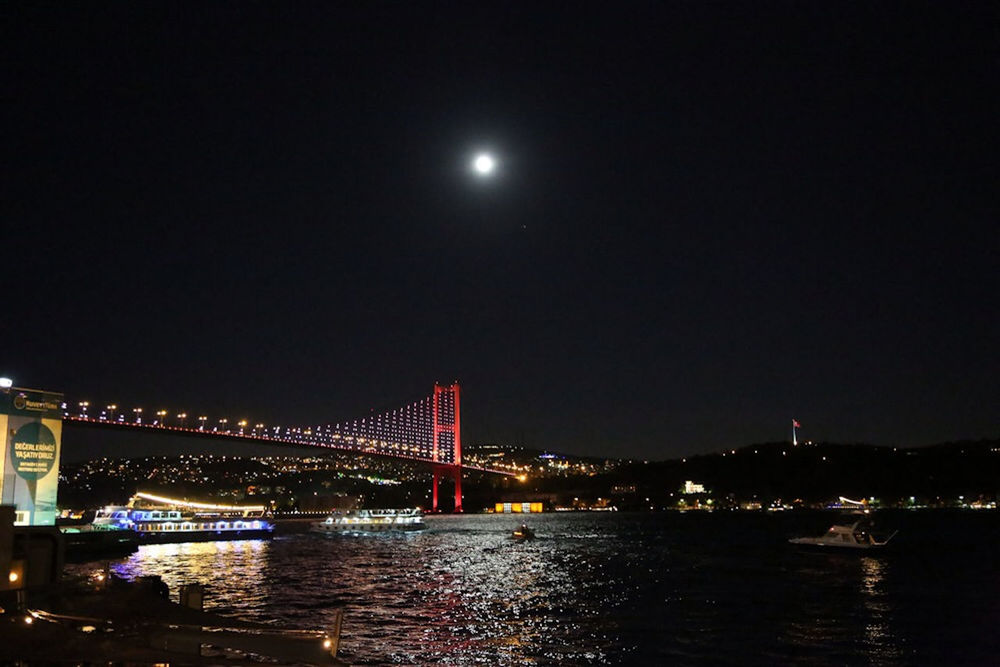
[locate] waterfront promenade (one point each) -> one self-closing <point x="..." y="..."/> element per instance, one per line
<point x="107" y="619"/>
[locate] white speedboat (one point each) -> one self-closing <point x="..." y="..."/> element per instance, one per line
<point x="855" y="536"/>
<point x="372" y="521"/>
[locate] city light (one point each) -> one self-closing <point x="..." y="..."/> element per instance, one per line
<point x="6" y="383"/>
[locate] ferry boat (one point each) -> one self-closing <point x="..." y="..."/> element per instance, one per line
<point x="159" y="520"/>
<point x="372" y="521"/>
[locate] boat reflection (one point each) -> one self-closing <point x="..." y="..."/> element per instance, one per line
<point x="228" y="569"/>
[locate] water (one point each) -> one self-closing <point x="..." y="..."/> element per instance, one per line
<point x="614" y="588"/>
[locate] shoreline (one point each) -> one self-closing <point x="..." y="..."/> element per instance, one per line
<point x="107" y="619"/>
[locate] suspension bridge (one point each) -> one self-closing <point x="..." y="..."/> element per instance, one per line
<point x="427" y="431"/>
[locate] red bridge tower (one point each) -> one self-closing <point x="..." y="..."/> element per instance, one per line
<point x="447" y="438"/>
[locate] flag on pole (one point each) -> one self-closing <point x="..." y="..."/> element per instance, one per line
<point x="795" y="424"/>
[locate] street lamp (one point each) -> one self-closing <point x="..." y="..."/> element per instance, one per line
<point x="202" y="419"/>
<point x="183" y="417"/>
<point x="138" y="415"/>
<point x="83" y="408"/>
<point x="111" y="408"/>
<point x="162" y="414"/>
<point x="223" y="423"/>
<point x="243" y="425"/>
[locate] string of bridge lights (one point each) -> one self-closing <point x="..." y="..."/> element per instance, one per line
<point x="406" y="432"/>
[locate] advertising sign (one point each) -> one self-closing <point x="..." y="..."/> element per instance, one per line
<point x="30" y="439"/>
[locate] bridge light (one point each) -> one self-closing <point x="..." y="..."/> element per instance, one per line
<point x="6" y="383"/>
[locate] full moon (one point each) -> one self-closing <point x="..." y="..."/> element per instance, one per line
<point x="484" y="164"/>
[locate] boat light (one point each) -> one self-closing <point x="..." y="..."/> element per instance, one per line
<point x="205" y="506"/>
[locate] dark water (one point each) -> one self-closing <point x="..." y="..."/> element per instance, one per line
<point x="679" y="589"/>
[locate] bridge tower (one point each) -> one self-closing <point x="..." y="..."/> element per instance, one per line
<point x="447" y="431"/>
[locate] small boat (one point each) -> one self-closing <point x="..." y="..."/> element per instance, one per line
<point x="372" y="521"/>
<point x="854" y="536"/>
<point x="523" y="533"/>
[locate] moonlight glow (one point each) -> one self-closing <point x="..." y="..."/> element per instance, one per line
<point x="484" y="164"/>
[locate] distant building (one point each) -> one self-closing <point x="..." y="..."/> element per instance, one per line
<point x="519" y="508"/>
<point x="692" y="487"/>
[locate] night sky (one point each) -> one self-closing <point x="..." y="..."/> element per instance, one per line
<point x="707" y="218"/>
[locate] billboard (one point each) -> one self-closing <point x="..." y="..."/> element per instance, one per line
<point x="31" y="428"/>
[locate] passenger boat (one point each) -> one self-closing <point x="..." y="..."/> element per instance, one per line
<point x="371" y="521"/>
<point x="855" y="536"/>
<point x="159" y="520"/>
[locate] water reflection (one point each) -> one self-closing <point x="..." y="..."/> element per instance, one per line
<point x="880" y="642"/>
<point x="660" y="589"/>
<point x="474" y="594"/>
<point x="228" y="570"/>
<point x="841" y="609"/>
